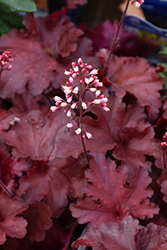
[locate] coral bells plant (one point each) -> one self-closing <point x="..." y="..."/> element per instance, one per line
<point x="83" y="138"/>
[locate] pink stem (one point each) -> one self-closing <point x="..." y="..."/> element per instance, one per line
<point x="5" y="189"/>
<point x="69" y="236"/>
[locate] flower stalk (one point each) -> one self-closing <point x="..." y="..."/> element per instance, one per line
<point x="114" y="41"/>
<point x="82" y="78"/>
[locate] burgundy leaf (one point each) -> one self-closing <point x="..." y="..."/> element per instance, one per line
<point x="6" y="119"/>
<point x="39" y="130"/>
<point x="11" y="224"/>
<point x="165" y="109"/>
<point x="120" y="236"/>
<point x="59" y="35"/>
<point x="152" y="237"/>
<point x="32" y="67"/>
<point x="47" y="183"/>
<point x="123" y="194"/>
<point x="128" y="44"/>
<point x="38" y="218"/>
<point x="136" y="76"/>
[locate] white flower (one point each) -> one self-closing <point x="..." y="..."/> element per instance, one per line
<point x="69" y="125"/>
<point x="75" y="91"/>
<point x="68" y="113"/>
<point x="53" y="108"/>
<point x="57" y="98"/>
<point x="84" y="106"/>
<point x="88" y="135"/>
<point x="93" y="72"/>
<point x="97" y="101"/>
<point x="78" y="131"/>
<point x="98" y="92"/>
<point x="67" y="73"/>
<point x="106" y="108"/>
<point x="63" y="104"/>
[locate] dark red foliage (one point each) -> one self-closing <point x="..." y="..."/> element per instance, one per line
<point x="48" y="188"/>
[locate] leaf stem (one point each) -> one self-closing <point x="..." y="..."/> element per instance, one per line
<point x="164" y="158"/>
<point x="115" y="39"/>
<point x="69" y="236"/>
<point x="5" y="189"/>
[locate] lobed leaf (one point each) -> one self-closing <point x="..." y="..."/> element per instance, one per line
<point x="111" y="236"/>
<point x="11" y="224"/>
<point x="123" y="194"/>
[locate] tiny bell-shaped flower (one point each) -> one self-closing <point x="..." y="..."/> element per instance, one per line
<point x="78" y="131"/>
<point x="69" y="125"/>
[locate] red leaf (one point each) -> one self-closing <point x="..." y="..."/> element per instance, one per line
<point x="136" y="76"/>
<point x="39" y="130"/>
<point x="45" y="183"/>
<point x="32" y="67"/>
<point x="59" y="36"/>
<point x="11" y="224"/>
<point x="122" y="194"/>
<point x="165" y="109"/>
<point x="111" y="236"/>
<point x="38" y="218"/>
<point x="152" y="237"/>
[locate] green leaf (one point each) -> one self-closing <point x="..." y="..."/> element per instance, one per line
<point x="20" y="5"/>
<point x="4" y="27"/>
<point x="164" y="51"/>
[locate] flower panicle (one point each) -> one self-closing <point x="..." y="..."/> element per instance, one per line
<point x="74" y="90"/>
<point x="164" y="143"/>
<point x="5" y="60"/>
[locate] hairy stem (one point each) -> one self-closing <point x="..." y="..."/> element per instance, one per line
<point x="81" y="92"/>
<point x="115" y="39"/>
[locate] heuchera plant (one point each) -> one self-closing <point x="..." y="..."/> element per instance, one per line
<point x="83" y="139"/>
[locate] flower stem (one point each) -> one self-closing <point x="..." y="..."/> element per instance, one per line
<point x="115" y="39"/>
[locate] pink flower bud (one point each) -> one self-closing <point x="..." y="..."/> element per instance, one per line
<point x="73" y="106"/>
<point x="57" y="99"/>
<point x="97" y="101"/>
<point x="9" y="67"/>
<point x="80" y="61"/>
<point x="106" y="108"/>
<point x="93" y="72"/>
<point x="69" y="99"/>
<point x="68" y="113"/>
<point x="88" y="135"/>
<point x="84" y="106"/>
<point x="89" y="66"/>
<point x="69" y="125"/>
<point x="93" y="89"/>
<point x="75" y="91"/>
<point x="67" y="73"/>
<point x="78" y="131"/>
<point x="63" y="104"/>
<point x="53" y="108"/>
<point x="71" y="80"/>
<point x="98" y="92"/>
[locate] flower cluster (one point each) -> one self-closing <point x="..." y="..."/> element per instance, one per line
<point x="4" y="59"/>
<point x="164" y="143"/>
<point x="81" y="79"/>
<point x="137" y="3"/>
